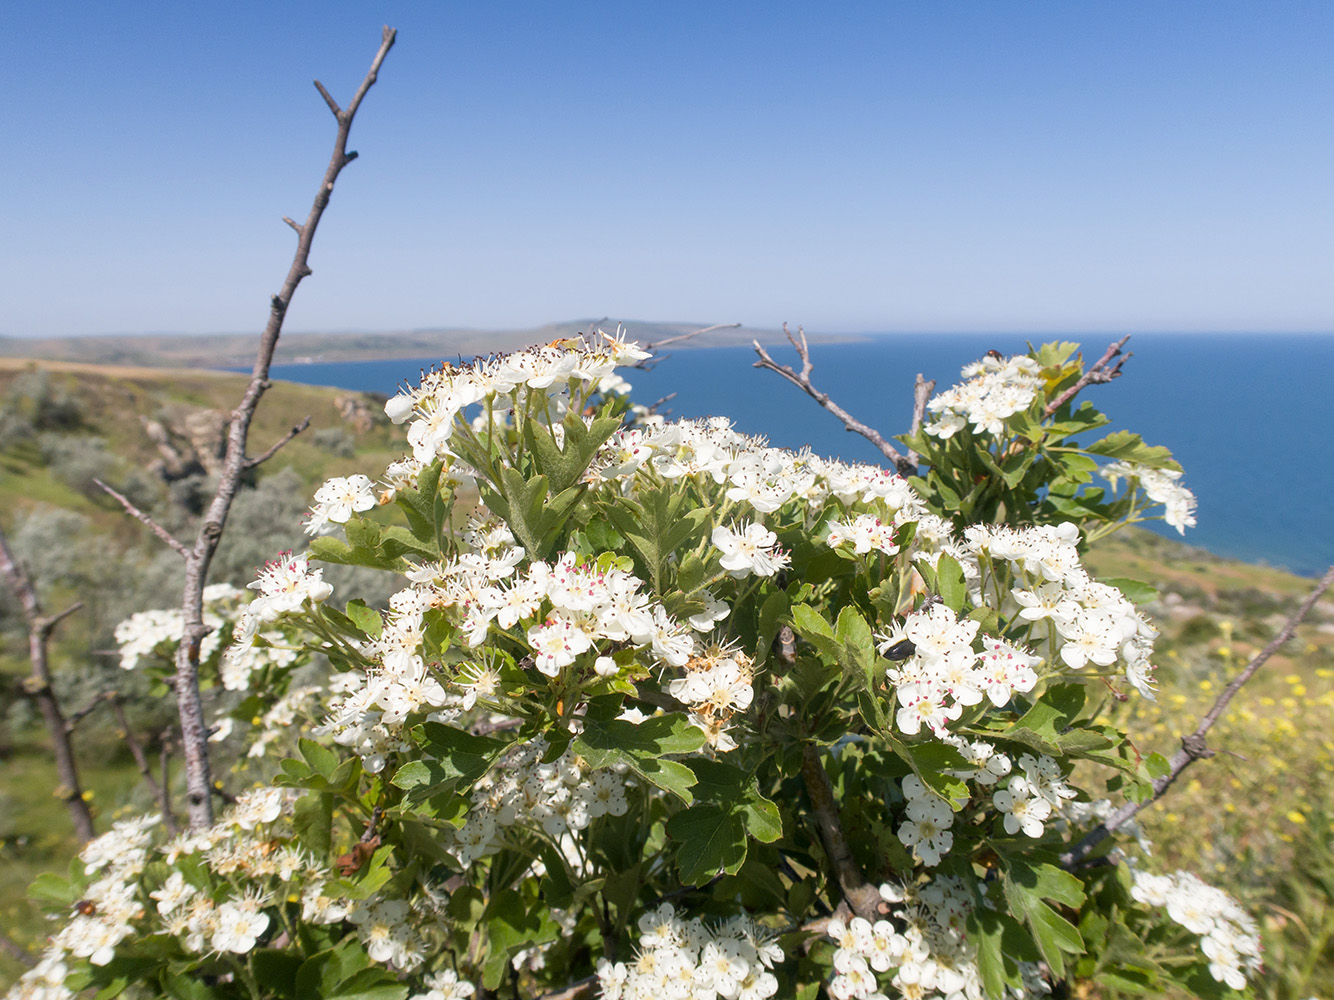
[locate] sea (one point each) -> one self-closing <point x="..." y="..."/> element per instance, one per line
<point x="1245" y="415"/>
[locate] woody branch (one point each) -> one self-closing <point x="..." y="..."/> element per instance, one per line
<point x="199" y="554"/>
<point x="905" y="465"/>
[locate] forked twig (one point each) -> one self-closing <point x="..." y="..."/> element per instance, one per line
<point x="1098" y="374"/>
<point x="802" y="380"/>
<point x="1193" y="746"/>
<point x="39" y="686"/>
<point x="198" y="557"/>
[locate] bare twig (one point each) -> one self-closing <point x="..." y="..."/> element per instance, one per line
<point x="802" y="380"/>
<point x="687" y="336"/>
<point x="139" y="515"/>
<point x="1193" y="746"/>
<point x="75" y="718"/>
<point x="141" y="759"/>
<point x="921" y="395"/>
<point x="38" y="686"/>
<point x="265" y="456"/>
<point x="1098" y="374"/>
<point x="199" y="556"/>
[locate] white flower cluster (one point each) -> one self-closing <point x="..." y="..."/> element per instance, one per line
<point x="1229" y="937"/>
<point x="931" y="956"/>
<point x="284" y="586"/>
<point x="562" y="797"/>
<point x="337" y="500"/>
<point x="140" y="635"/>
<point x="716" y="685"/>
<point x="924" y="946"/>
<point x="1081" y="621"/>
<point x="944" y="674"/>
<point x="433" y="408"/>
<point x="926" y="832"/>
<point x="118" y="904"/>
<point x="683" y="959"/>
<point x="1161" y="486"/>
<point x="866" y="532"/>
<point x="996" y="388"/>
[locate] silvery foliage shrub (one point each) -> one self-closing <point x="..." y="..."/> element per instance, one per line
<point x="652" y="700"/>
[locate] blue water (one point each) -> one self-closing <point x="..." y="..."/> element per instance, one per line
<point x="1244" y="415"/>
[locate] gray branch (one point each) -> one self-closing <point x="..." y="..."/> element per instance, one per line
<point x="1193" y="746"/>
<point x="802" y="380"/>
<point x="199" y="555"/>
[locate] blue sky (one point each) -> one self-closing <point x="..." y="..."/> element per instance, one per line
<point x="1043" y="167"/>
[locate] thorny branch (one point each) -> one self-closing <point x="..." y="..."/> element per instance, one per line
<point x="38" y="686"/>
<point x="1098" y="374"/>
<point x="802" y="380"/>
<point x="199" y="556"/>
<point x="1193" y="746"/>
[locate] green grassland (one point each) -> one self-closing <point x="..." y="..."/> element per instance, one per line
<point x="1257" y="819"/>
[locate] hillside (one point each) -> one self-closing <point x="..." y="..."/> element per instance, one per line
<point x="232" y="350"/>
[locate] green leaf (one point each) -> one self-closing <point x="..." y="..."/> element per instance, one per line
<point x="312" y="822"/>
<point x="930" y="760"/>
<point x="773" y="610"/>
<point x="369" y="984"/>
<point x="277" y="971"/>
<point x="321" y="974"/>
<point x="182" y="987"/>
<point x="952" y="587"/>
<point x="1127" y="447"/>
<point x="322" y="760"/>
<point x="1134" y="590"/>
<point x="1053" y="934"/>
<point x="462" y="754"/>
<point x="1157" y="766"/>
<point x="49" y="887"/>
<point x="641" y="746"/>
<point x="711" y="838"/>
<point x="365" y="618"/>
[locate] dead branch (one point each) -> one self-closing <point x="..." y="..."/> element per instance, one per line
<point x="1098" y="374"/>
<point x="686" y="336"/>
<point x="265" y="456"/>
<point x="802" y="380"/>
<point x="199" y="556"/>
<point x="141" y="759"/>
<point x="1193" y="746"/>
<point x="139" y="515"/>
<point x="39" y="687"/>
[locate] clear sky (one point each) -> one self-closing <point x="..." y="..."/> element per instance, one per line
<point x="1032" y="166"/>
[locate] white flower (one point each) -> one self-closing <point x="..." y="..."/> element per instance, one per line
<point x="239" y="927"/>
<point x="747" y="549"/>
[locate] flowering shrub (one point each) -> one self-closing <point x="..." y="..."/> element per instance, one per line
<point x="658" y="707"/>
